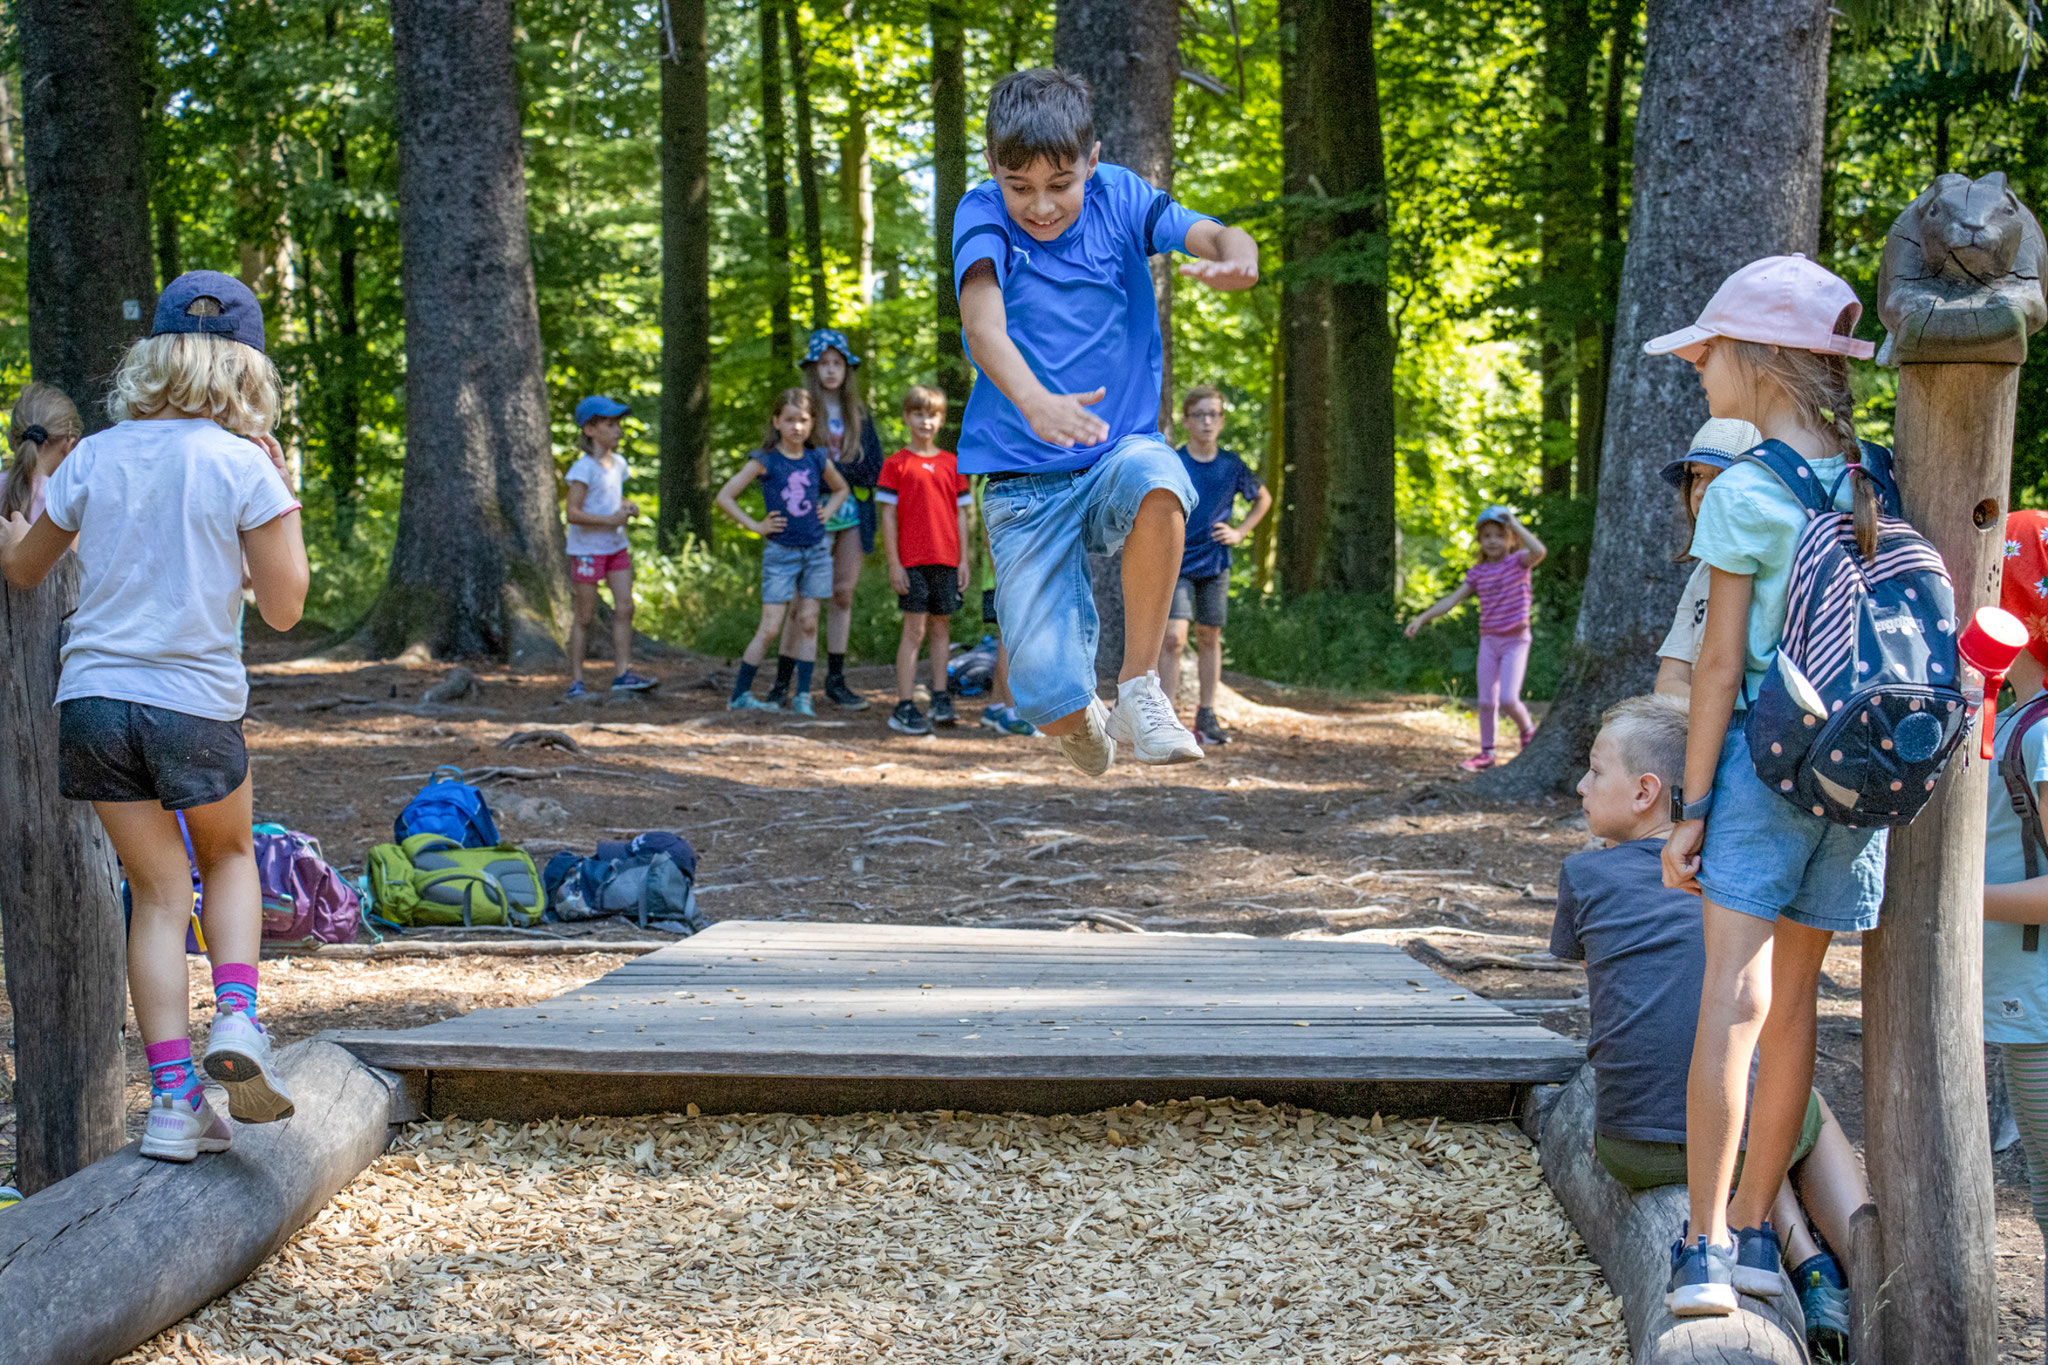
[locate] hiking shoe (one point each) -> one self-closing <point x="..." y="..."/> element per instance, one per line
<point x="842" y="696"/>
<point x="1144" y="719"/>
<point x="1005" y="720"/>
<point x="942" y="710"/>
<point x="747" y="701"/>
<point x="1757" y="1261"/>
<point x="238" y="1056"/>
<point x="803" y="705"/>
<point x="1090" y="748"/>
<point x="1479" y="762"/>
<point x="576" y="690"/>
<point x="1525" y="738"/>
<point x="1702" y="1279"/>
<point x="629" y="681"/>
<point x="777" y="696"/>
<point x="1207" y="731"/>
<point x="178" y="1132"/>
<point x="906" y="719"/>
<point x="1826" y="1305"/>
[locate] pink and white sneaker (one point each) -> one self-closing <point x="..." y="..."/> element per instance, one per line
<point x="1479" y="762"/>
<point x="238" y="1056"/>
<point x="178" y="1132"/>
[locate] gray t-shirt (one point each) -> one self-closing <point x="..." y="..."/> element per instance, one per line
<point x="1646" y="955"/>
<point x="1689" y="622"/>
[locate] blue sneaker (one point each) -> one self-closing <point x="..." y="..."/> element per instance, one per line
<point x="576" y="690"/>
<point x="802" y="705"/>
<point x="747" y="701"/>
<point x="1702" y="1279"/>
<point x="1759" y="1261"/>
<point x="1825" y="1301"/>
<point x="1005" y="720"/>
<point x="629" y="681"/>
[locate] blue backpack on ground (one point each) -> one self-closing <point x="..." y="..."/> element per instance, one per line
<point x="972" y="669"/>
<point x="449" y="807"/>
<point x="1862" y="707"/>
<point x="651" y="877"/>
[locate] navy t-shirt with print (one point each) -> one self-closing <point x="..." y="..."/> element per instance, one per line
<point x="1219" y="483"/>
<point x="1081" y="310"/>
<point x="1646" y="955"/>
<point x="795" y="487"/>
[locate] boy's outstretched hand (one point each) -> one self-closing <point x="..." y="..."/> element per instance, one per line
<point x="1224" y="275"/>
<point x="1064" y="419"/>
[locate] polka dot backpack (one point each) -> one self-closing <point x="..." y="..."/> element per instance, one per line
<point x="1861" y="709"/>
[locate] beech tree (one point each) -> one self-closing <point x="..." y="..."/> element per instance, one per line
<point x="949" y="185"/>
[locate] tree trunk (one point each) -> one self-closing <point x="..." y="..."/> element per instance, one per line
<point x="685" y="280"/>
<point x="1598" y="358"/>
<point x="807" y="164"/>
<point x="856" y="175"/>
<point x="1304" y="306"/>
<point x="344" y="399"/>
<point x="1273" y="467"/>
<point x="478" y="564"/>
<point x="949" y="185"/>
<point x="776" y="178"/>
<point x="1567" y="178"/>
<point x="89" y="296"/>
<point x="1727" y="169"/>
<point x="1128" y="51"/>
<point x="1364" y="551"/>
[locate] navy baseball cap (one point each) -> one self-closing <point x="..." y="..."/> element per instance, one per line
<point x="596" y="406"/>
<point x="240" y="317"/>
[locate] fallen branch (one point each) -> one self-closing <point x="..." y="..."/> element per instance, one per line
<point x="524" y="948"/>
<point x="551" y="739"/>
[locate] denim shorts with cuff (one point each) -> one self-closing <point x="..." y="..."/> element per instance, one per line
<point x="1767" y="858"/>
<point x="1042" y="528"/>
<point x="791" y="571"/>
<point x="114" y="750"/>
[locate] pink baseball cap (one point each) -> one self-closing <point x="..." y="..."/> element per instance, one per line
<point x="1780" y="301"/>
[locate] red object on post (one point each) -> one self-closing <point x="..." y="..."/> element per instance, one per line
<point x="1989" y="644"/>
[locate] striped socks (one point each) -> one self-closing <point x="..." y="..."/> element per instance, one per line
<point x="171" y="1072"/>
<point x="234" y="989"/>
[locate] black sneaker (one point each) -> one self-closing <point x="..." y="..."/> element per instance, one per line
<point x="842" y="696"/>
<point x="906" y="719"/>
<point x="1207" y="730"/>
<point x="942" y="710"/>
<point x="778" y="697"/>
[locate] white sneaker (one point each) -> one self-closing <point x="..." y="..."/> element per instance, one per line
<point x="238" y="1056"/>
<point x="1144" y="719"/>
<point x="1090" y="748"/>
<point x="178" y="1132"/>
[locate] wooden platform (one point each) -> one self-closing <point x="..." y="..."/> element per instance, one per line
<point x="837" y="1018"/>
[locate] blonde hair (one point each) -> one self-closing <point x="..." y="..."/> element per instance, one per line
<point x="851" y="414"/>
<point x="1649" y="735"/>
<point x="923" y="398"/>
<point x="1818" y="385"/>
<point x="44" y="406"/>
<point x="195" y="372"/>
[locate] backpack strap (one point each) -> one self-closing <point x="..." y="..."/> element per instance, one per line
<point x="2025" y="804"/>
<point x="1791" y="469"/>
<point x="1877" y="463"/>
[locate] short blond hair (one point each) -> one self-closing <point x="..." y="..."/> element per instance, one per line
<point x="1649" y="735"/>
<point x="208" y="376"/>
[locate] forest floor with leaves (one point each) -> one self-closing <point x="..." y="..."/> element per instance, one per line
<point x="1330" y="815"/>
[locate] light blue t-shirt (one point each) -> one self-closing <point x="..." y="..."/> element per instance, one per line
<point x="2015" y="981"/>
<point x="1750" y="524"/>
<point x="1081" y="310"/>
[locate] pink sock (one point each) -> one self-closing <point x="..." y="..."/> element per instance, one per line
<point x="171" y="1071"/>
<point x="234" y="988"/>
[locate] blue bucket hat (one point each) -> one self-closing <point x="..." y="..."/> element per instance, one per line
<point x="828" y="339"/>
<point x="596" y="406"/>
<point x="1717" y="445"/>
<point x="240" y="317"/>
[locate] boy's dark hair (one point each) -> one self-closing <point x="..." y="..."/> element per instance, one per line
<point x="1649" y="735"/>
<point x="1197" y="394"/>
<point x="923" y="398"/>
<point x="1041" y="113"/>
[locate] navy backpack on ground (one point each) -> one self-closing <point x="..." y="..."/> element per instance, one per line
<point x="450" y="807"/>
<point x="1862" y="706"/>
<point x="651" y="877"/>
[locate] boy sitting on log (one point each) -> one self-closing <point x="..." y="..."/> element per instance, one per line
<point x="1645" y="956"/>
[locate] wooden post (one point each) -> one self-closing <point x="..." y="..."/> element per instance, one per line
<point x="1959" y="292"/>
<point x="60" y="908"/>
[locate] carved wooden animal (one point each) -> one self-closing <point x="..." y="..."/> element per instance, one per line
<point x="1961" y="278"/>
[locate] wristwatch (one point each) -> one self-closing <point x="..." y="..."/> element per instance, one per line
<point x="1681" y="810"/>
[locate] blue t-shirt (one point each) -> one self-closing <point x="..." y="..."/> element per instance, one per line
<point x="1080" y="309"/>
<point x="1645" y="952"/>
<point x="1219" y="483"/>
<point x="796" y="488"/>
<point x="2015" y="980"/>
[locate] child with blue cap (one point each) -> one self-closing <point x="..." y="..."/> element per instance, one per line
<point x="598" y="512"/>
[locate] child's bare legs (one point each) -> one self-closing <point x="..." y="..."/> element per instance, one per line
<point x="806" y="614"/>
<point x="772" y="614"/>
<point x="846" y="565"/>
<point x="1830" y="1190"/>
<point x="939" y="636"/>
<point x="906" y="655"/>
<point x="621" y="582"/>
<point x="1152" y="555"/>
<point x="1784" y="1077"/>
<point x="583" y="596"/>
<point x="1208" y="664"/>
<point x="999" y="685"/>
<point x="1734" y="999"/>
<point x="1169" y="657"/>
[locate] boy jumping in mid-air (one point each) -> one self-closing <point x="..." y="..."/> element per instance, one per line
<point x="1056" y="307"/>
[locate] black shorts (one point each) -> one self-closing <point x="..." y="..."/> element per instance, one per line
<point x="934" y="589"/>
<point x="1205" y="601"/>
<point x="109" y="750"/>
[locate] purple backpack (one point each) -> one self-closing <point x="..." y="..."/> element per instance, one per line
<point x="304" y="898"/>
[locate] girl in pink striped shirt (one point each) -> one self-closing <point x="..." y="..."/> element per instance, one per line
<point x="1500" y="580"/>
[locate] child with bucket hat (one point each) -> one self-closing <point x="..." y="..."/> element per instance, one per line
<point x="1715" y="446"/>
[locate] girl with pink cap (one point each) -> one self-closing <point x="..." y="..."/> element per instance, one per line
<point x="1777" y="882"/>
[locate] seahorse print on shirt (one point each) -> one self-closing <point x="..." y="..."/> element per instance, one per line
<point x="796" y="494"/>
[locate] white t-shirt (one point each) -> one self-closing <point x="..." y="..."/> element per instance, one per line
<point x="159" y="508"/>
<point x="1689" y="625"/>
<point x="606" y="493"/>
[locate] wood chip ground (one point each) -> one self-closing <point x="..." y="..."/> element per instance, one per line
<point x="1195" y="1232"/>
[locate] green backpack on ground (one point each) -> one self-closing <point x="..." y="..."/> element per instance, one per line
<point x="432" y="881"/>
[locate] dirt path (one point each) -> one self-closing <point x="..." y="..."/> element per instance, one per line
<point x="1329" y="815"/>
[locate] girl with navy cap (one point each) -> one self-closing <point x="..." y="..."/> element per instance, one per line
<point x="164" y="507"/>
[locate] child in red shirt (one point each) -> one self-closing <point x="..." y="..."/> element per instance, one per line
<point x="924" y="500"/>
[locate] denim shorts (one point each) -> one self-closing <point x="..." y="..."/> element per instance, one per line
<point x="1767" y="858"/>
<point x="1205" y="601"/>
<point x="1042" y="528"/>
<point x="789" y="571"/>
